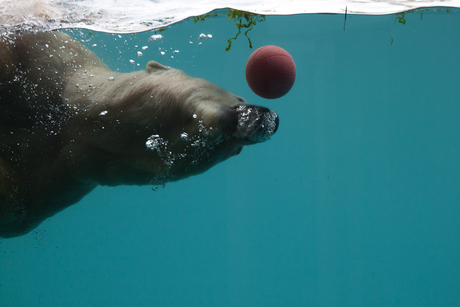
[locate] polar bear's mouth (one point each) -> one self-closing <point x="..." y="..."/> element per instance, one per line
<point x="255" y="124"/>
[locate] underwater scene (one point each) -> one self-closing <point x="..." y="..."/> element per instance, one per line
<point x="354" y="201"/>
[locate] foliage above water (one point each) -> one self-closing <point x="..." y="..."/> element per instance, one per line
<point x="401" y="17"/>
<point x="244" y="21"/>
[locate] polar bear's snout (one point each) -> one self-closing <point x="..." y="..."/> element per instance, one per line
<point x="255" y="124"/>
<point x="249" y="124"/>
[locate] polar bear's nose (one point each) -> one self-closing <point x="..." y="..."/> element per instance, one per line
<point x="255" y="124"/>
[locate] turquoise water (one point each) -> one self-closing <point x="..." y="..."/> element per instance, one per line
<point x="354" y="202"/>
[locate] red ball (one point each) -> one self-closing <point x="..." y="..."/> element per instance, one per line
<point x="270" y="72"/>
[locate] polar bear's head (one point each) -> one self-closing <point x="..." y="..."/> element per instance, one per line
<point x="169" y="126"/>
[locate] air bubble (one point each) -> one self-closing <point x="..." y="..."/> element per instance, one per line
<point x="156" y="143"/>
<point x="184" y="136"/>
<point x="155" y="37"/>
<point x="206" y="36"/>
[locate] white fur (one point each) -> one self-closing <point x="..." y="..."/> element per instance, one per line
<point x="69" y="123"/>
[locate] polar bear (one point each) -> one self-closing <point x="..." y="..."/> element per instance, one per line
<point x="68" y="124"/>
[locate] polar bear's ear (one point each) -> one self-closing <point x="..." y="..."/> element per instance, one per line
<point x="153" y="66"/>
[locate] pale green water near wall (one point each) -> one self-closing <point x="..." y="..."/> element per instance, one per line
<point x="354" y="202"/>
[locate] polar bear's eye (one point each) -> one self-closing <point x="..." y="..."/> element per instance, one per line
<point x="241" y="99"/>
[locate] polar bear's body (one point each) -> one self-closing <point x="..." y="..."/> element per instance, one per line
<point x="68" y="123"/>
